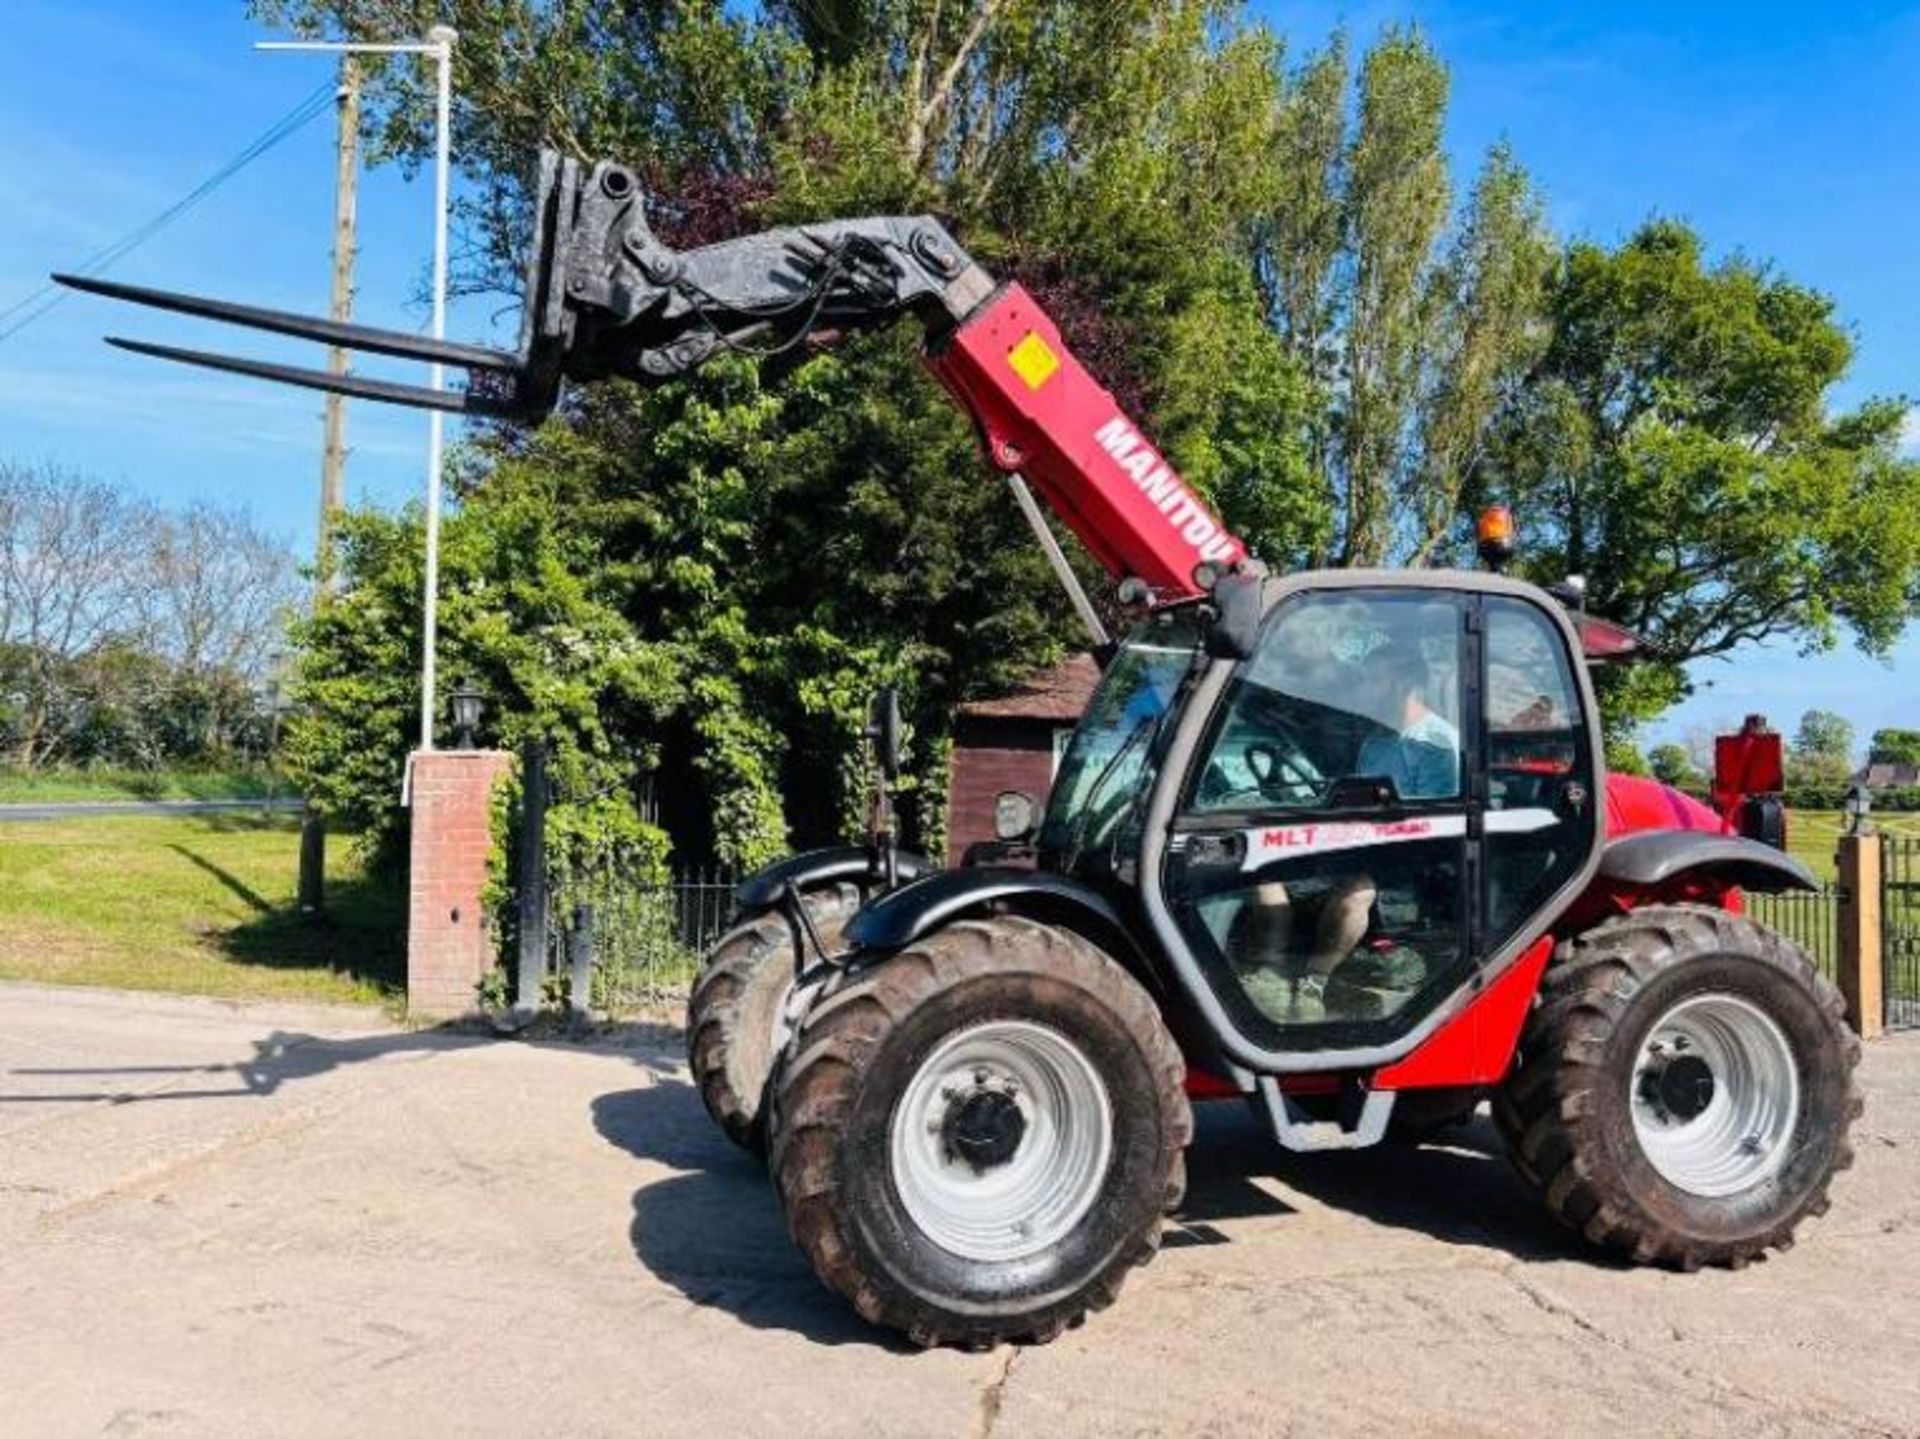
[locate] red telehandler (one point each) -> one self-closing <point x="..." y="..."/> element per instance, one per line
<point x="1341" y="844"/>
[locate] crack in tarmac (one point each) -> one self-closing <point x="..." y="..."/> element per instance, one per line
<point x="995" y="1394"/>
<point x="1827" y="1420"/>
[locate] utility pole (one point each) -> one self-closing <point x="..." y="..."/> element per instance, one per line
<point x="333" y="454"/>
<point x="346" y="183"/>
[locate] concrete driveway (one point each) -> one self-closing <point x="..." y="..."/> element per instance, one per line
<point x="224" y="1220"/>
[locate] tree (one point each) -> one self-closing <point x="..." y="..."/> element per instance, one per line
<point x="1677" y="445"/>
<point x="1894" y="746"/>
<point x="127" y="634"/>
<point x="1670" y="763"/>
<point x="1824" y="733"/>
<point x="1822" y="750"/>
<point x="788" y="542"/>
<point x="1416" y="332"/>
<point x="71" y="553"/>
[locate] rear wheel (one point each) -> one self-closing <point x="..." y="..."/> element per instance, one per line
<point x="976" y="1139"/>
<point x="736" y="1016"/>
<point x="1685" y="1089"/>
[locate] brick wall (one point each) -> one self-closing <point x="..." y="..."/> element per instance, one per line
<point x="991" y="755"/>
<point x="448" y="947"/>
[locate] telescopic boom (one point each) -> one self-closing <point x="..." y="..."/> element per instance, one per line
<point x="605" y="297"/>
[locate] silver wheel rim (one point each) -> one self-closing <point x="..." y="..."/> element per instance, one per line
<point x="1731" y="1132"/>
<point x="1033" y="1197"/>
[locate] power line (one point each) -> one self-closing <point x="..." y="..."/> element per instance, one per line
<point x="47" y="296"/>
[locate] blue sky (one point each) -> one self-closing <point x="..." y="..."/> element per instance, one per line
<point x="1785" y="131"/>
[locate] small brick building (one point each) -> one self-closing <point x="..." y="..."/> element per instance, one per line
<point x="1014" y="742"/>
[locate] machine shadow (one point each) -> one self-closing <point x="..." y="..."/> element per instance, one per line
<point x="1458" y="1188"/>
<point x="713" y="1230"/>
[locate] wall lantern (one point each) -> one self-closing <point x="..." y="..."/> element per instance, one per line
<point x="469" y="704"/>
<point x="1857" y="805"/>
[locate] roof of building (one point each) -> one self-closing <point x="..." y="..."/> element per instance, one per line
<point x="1889" y="776"/>
<point x="1060" y="693"/>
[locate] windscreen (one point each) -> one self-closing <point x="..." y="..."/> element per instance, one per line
<point x="1107" y="765"/>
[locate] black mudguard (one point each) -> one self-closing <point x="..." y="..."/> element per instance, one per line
<point x="893" y="921"/>
<point x="853" y="863"/>
<point x="1651" y="858"/>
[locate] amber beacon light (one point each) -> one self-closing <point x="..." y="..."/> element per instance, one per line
<point x="1495" y="534"/>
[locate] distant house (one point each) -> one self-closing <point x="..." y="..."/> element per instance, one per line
<point x="1012" y="742"/>
<point x="1888" y="776"/>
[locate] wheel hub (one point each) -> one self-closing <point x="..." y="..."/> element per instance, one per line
<point x="1679" y="1087"/>
<point x="1001" y="1140"/>
<point x="984" y="1128"/>
<point x="1715" y="1096"/>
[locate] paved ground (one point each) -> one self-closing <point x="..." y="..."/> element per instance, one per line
<point x="231" y="1220"/>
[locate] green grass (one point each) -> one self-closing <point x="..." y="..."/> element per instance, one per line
<point x="199" y="904"/>
<point x="1813" y="833"/>
<point x="78" y="786"/>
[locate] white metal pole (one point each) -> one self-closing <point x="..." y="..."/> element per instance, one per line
<point x="442" y="38"/>
<point x="438" y="44"/>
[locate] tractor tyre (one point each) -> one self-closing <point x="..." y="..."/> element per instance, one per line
<point x="1685" y="1088"/>
<point x="976" y="1139"/>
<point x="736" y="1015"/>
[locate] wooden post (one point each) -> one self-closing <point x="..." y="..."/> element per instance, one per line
<point x="1862" y="963"/>
<point x="333" y="452"/>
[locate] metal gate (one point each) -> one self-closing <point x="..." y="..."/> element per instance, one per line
<point x="1810" y="918"/>
<point x="1900" y="929"/>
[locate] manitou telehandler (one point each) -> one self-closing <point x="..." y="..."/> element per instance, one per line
<point x="1339" y="843"/>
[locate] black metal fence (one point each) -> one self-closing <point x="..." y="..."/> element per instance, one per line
<point x="643" y="940"/>
<point x="601" y="931"/>
<point x="1810" y="918"/>
<point x="1900" y="929"/>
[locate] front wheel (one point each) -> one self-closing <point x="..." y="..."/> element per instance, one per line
<point x="736" y="1015"/>
<point x="1685" y="1088"/>
<point x="976" y="1138"/>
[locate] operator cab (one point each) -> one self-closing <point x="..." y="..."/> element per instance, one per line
<point x="1374" y="808"/>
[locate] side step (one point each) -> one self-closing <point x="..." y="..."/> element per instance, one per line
<point x="1297" y="1131"/>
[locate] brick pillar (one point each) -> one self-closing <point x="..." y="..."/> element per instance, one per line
<point x="448" y="947"/>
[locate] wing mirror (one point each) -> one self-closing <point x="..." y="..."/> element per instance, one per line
<point x="1014" y="815"/>
<point x="1236" y="616"/>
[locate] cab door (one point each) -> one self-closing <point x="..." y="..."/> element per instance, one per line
<point x="1322" y="862"/>
<point x="1390" y="791"/>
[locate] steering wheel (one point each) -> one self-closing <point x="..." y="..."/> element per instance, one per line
<point x="1281" y="775"/>
<point x="1281" y="771"/>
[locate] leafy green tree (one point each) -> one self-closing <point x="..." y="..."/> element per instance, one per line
<point x="1416" y="325"/>
<point x="1624" y="757"/>
<point x="1822" y="750"/>
<point x="790" y="542"/>
<point x="1894" y="746"/>
<point x="1671" y="764"/>
<point x="1677" y="445"/>
<point x="1824" y="733"/>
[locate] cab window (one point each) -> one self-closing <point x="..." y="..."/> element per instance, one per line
<point x="1345" y="687"/>
<point x="1540" y="805"/>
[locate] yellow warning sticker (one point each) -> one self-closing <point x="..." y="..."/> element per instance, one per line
<point x="1033" y="361"/>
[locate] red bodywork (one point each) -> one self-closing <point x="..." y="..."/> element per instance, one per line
<point x="1041" y="415"/>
